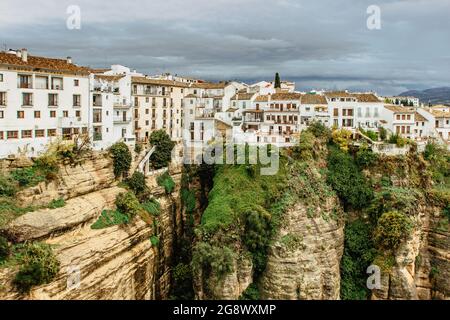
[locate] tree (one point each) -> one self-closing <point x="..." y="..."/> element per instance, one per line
<point x="163" y="153"/>
<point x="277" y="80"/>
<point x="122" y="159"/>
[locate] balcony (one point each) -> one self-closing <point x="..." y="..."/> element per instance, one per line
<point x="25" y="85"/>
<point x="121" y="105"/>
<point x="202" y="113"/>
<point x="122" y="120"/>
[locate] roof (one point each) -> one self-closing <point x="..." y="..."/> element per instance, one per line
<point x="191" y="95"/>
<point x="313" y="99"/>
<point x="232" y="109"/>
<point x="339" y="94"/>
<point x="285" y="96"/>
<point x="262" y="98"/>
<point x="243" y="96"/>
<point x="366" y="97"/>
<point x="440" y="114"/>
<point x="43" y="63"/>
<point x="399" y="109"/>
<point x="419" y="117"/>
<point x="210" y="85"/>
<point x="109" y="77"/>
<point x="158" y="82"/>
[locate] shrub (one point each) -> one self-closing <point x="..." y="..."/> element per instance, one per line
<point x="163" y="153"/>
<point x="188" y="200"/>
<point x="110" y="218"/>
<point x="166" y="181"/>
<point x="393" y="227"/>
<point x="121" y="159"/>
<point x="7" y="187"/>
<point x="137" y="182"/>
<point x="138" y="148"/>
<point x="305" y="147"/>
<point x="365" y="158"/>
<point x="319" y="130"/>
<point x="251" y="293"/>
<point x="57" y="203"/>
<point x="39" y="266"/>
<point x="342" y="138"/>
<point x="154" y="240"/>
<point x="218" y="260"/>
<point x="27" y="177"/>
<point x="346" y="179"/>
<point x="358" y="254"/>
<point x="4" y="249"/>
<point x="398" y="140"/>
<point x="128" y="204"/>
<point x="152" y="206"/>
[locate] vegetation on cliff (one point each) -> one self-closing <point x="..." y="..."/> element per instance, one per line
<point x="163" y="152"/>
<point x="121" y="159"/>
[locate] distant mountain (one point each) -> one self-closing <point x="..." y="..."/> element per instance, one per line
<point x="434" y="95"/>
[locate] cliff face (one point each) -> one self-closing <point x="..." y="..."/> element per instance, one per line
<point x="117" y="262"/>
<point x="303" y="263"/>
<point x="422" y="263"/>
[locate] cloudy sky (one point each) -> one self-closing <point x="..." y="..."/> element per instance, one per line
<point x="318" y="44"/>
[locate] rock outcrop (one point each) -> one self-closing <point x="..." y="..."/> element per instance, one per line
<point x="303" y="262"/>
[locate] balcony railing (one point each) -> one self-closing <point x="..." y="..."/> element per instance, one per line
<point x="25" y="85"/>
<point x="122" y="120"/>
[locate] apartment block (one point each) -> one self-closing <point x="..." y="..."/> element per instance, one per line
<point x="40" y="99"/>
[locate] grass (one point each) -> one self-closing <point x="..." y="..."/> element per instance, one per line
<point x="166" y="181"/>
<point x="109" y="218"/>
<point x="57" y="203"/>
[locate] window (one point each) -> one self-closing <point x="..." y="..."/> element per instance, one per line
<point x="1" y="79"/>
<point x="335" y="112"/>
<point x="39" y="133"/>
<point x="2" y="114"/>
<point x="53" y="99"/>
<point x="57" y="83"/>
<point x="408" y="117"/>
<point x="2" y="98"/>
<point x="76" y="83"/>
<point x="37" y="114"/>
<point x="97" y="116"/>
<point x="52" y="114"/>
<point x="76" y="100"/>
<point x="147" y="111"/>
<point x="1" y="135"/>
<point x="78" y="113"/>
<point x="27" y="134"/>
<point x="51" y="132"/>
<point x="27" y="99"/>
<point x="41" y="82"/>
<point x="403" y="117"/>
<point x="65" y="114"/>
<point x="20" y="114"/>
<point x="12" y="134"/>
<point x="24" y="81"/>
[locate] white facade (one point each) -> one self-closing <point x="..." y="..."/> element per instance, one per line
<point x="38" y="106"/>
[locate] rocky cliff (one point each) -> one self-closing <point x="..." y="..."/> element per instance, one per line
<point x="118" y="262"/>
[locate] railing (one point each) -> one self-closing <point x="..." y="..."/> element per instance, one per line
<point x="25" y="85"/>
<point x="122" y="120"/>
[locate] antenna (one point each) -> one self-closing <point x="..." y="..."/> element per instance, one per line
<point x="5" y="47"/>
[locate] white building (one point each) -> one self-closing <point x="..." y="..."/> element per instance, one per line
<point x="399" y="120"/>
<point x="40" y="99"/>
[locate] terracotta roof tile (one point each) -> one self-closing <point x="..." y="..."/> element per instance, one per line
<point x="313" y="99"/>
<point x="399" y="109"/>
<point x="47" y="64"/>
<point x="243" y="96"/>
<point x="158" y="82"/>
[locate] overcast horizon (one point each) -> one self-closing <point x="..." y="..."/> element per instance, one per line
<point x="320" y="45"/>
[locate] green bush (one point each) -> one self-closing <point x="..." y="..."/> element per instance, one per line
<point x="109" y="218"/>
<point x="57" y="203"/>
<point x="366" y="158"/>
<point x="152" y="206"/>
<point x="128" y="204"/>
<point x="154" y="241"/>
<point x="346" y="179"/>
<point x="358" y="254"/>
<point x="138" y="148"/>
<point x="398" y="140"/>
<point x="251" y="293"/>
<point x="392" y="229"/>
<point x="27" y="177"/>
<point x="121" y="159"/>
<point x="319" y="130"/>
<point x="166" y="181"/>
<point x="163" y="153"/>
<point x="39" y="266"/>
<point x="305" y="147"/>
<point x="188" y="200"/>
<point x="5" y="250"/>
<point x="7" y="187"/>
<point x="218" y="260"/>
<point x="137" y="182"/>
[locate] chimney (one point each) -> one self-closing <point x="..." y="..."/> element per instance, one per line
<point x="69" y="60"/>
<point x="24" y="55"/>
<point x="18" y="54"/>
